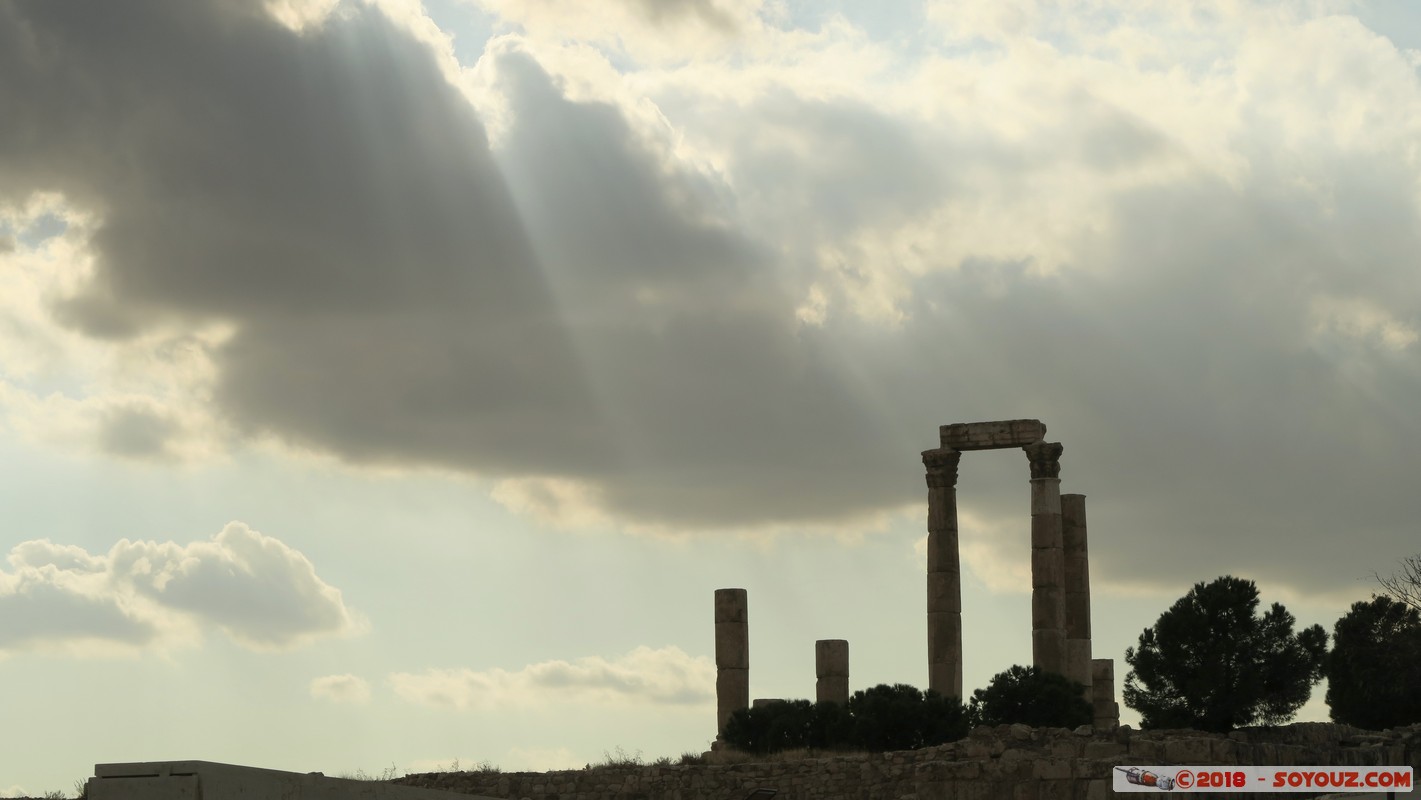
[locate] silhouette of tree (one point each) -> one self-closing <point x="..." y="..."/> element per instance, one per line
<point x="1405" y="584"/>
<point x="1032" y="697"/>
<point x="1211" y="663"/>
<point x="1374" y="669"/>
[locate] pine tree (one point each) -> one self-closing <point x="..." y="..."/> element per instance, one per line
<point x="1211" y="663"/>
<point x="1374" y="670"/>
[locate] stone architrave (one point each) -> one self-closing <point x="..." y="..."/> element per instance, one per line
<point x="732" y="654"/>
<point x="1073" y="537"/>
<point x="831" y="669"/>
<point x="1048" y="568"/>
<point x="1106" y="710"/>
<point x="944" y="576"/>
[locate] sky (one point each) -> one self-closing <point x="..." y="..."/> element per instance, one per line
<point x="384" y="383"/>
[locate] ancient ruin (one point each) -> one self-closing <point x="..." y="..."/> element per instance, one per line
<point x="1060" y="584"/>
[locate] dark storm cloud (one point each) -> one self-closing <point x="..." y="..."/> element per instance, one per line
<point x="608" y="314"/>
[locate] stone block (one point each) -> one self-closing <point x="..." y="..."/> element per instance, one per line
<point x="1052" y="769"/>
<point x="1048" y="571"/>
<point x="1099" y="790"/>
<point x="1078" y="663"/>
<point x="831" y="657"/>
<point x="944" y="636"/>
<point x="1078" y="617"/>
<point x="732" y="645"/>
<point x="832" y="689"/>
<point x="991" y="435"/>
<point x="943" y="553"/>
<point x="945" y="678"/>
<point x="731" y="605"/>
<point x="1048" y="650"/>
<point x="1104" y="749"/>
<point x="1147" y="751"/>
<point x="944" y="592"/>
<point x="1189" y="751"/>
<point x="1046" y="504"/>
<point x="1048" y="608"/>
<point x="942" y="511"/>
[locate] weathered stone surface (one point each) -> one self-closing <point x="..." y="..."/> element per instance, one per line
<point x="943" y="550"/>
<point x="1045" y="459"/>
<point x="1048" y="607"/>
<point x="1188" y="751"/>
<point x="831" y="667"/>
<point x="1048" y="650"/>
<point x="1106" y="711"/>
<point x="1078" y="664"/>
<point x="1077" y="564"/>
<point x="944" y="592"/>
<point x="732" y="693"/>
<point x="732" y="654"/>
<point x="991" y="435"/>
<point x="732" y="645"/>
<point x="731" y="605"/>
<point x="941" y="467"/>
<point x="831" y="657"/>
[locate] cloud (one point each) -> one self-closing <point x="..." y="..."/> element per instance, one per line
<point x="254" y="588"/>
<point x="741" y="292"/>
<point x="341" y="689"/>
<point x="665" y="676"/>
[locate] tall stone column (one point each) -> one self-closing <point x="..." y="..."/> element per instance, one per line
<point x="944" y="575"/>
<point x="1048" y="568"/>
<point x="732" y="655"/>
<point x="831" y="668"/>
<point x="1073" y="538"/>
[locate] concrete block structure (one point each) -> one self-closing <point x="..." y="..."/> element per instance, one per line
<point x="207" y="780"/>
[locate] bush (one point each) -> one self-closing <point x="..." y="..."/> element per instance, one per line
<point x="900" y="717"/>
<point x="1029" y="696"/>
<point x="881" y="718"/>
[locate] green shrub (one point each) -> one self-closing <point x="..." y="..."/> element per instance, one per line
<point x="1029" y="696"/>
<point x="881" y="718"/>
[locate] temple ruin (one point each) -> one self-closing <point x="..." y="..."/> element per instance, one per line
<point x="1060" y="583"/>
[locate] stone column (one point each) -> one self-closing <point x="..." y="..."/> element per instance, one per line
<point x="831" y="668"/>
<point x="1048" y="568"/>
<point x="1073" y="538"/>
<point x="944" y="577"/>
<point x="732" y="655"/>
<point x="1107" y="711"/>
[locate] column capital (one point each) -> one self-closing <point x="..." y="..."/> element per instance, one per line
<point x="941" y="465"/>
<point x="1045" y="459"/>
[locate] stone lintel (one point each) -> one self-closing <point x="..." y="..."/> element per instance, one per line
<point x="991" y="435"/>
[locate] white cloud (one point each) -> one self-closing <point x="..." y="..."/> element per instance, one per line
<point x="665" y="676"/>
<point x="256" y="589"/>
<point x="341" y="689"/>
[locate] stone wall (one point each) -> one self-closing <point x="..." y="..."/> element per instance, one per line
<point x="1012" y="762"/>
